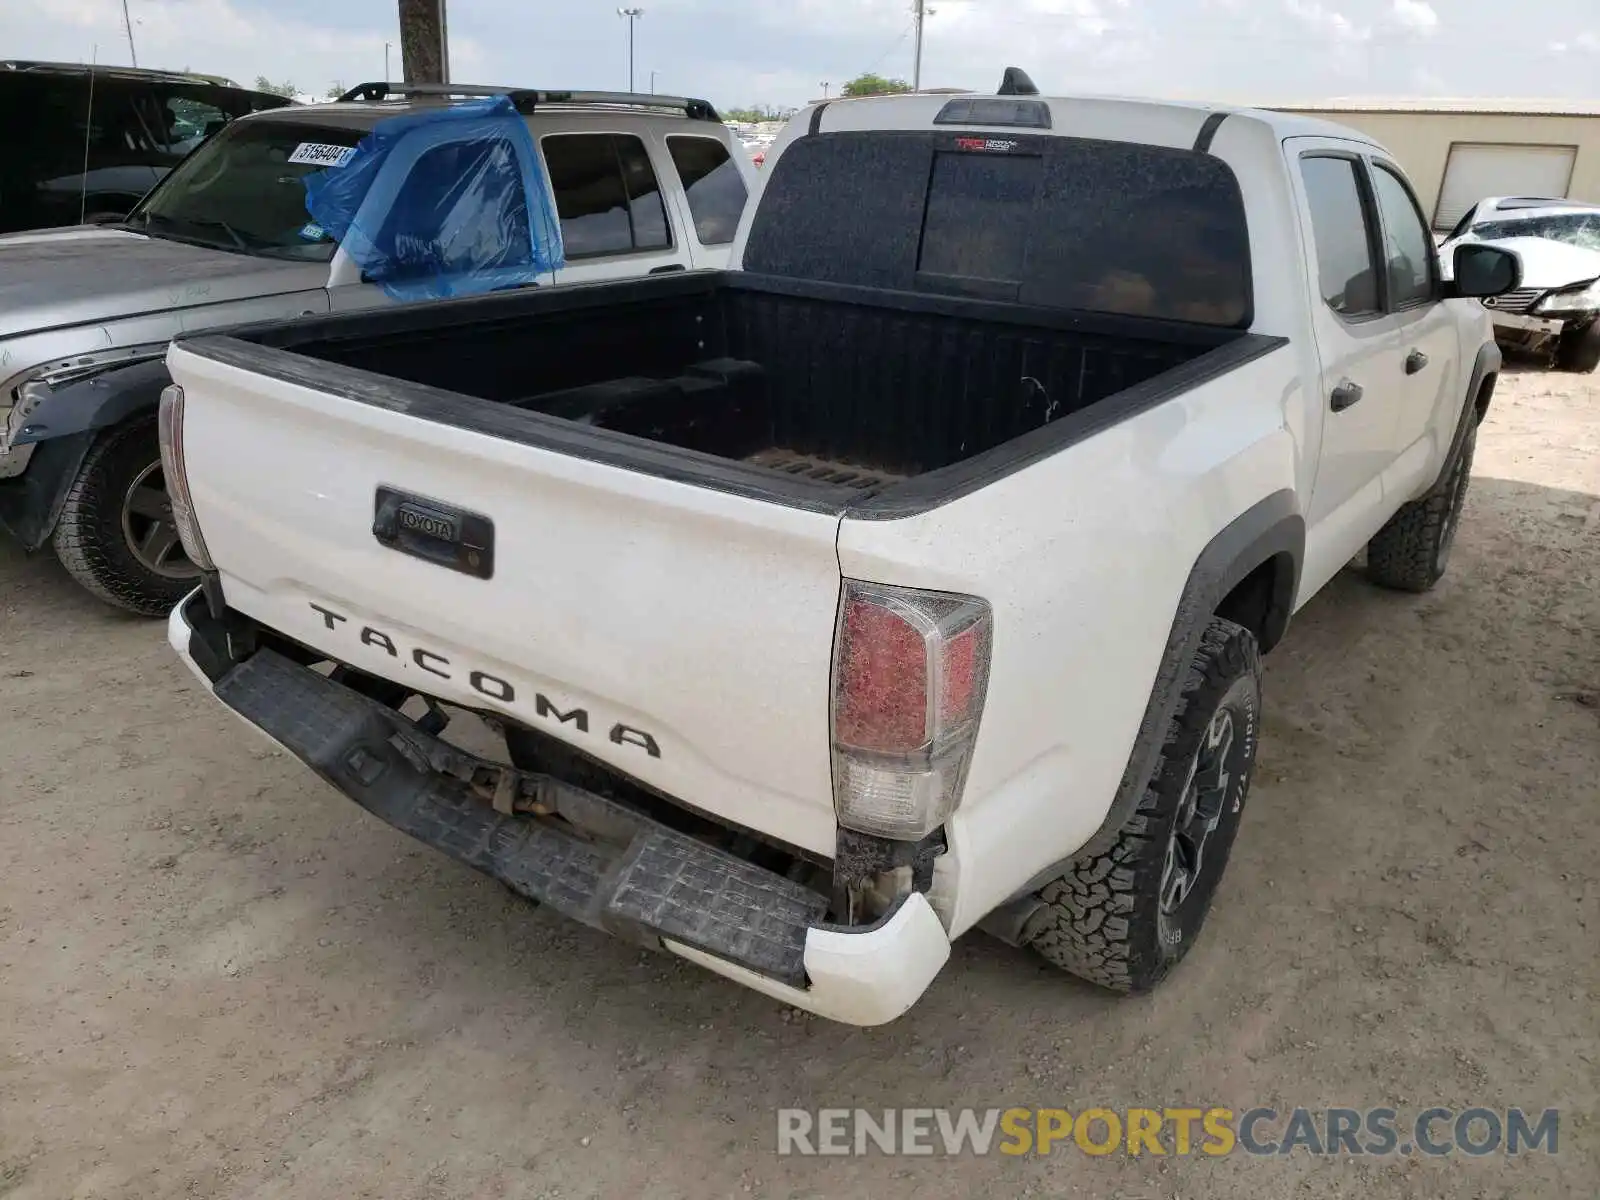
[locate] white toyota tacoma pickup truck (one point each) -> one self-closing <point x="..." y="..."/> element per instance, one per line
<point x="910" y="578"/>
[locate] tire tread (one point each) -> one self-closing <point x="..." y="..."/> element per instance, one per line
<point x="1403" y="554"/>
<point x="87" y="545"/>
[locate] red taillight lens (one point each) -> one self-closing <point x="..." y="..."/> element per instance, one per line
<point x="910" y="671"/>
<point x="883" y="680"/>
<point x="958" y="677"/>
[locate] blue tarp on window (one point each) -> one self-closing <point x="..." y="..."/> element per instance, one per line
<point x="445" y="202"/>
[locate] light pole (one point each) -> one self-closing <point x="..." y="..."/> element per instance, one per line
<point x="127" y="25"/>
<point x="825" y="86"/>
<point x="921" y="12"/>
<point x="386" y="62"/>
<point x="633" y="14"/>
<point x="653" y="82"/>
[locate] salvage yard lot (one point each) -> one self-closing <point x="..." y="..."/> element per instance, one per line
<point x="219" y="978"/>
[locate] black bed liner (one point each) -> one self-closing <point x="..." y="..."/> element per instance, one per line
<point x="825" y="396"/>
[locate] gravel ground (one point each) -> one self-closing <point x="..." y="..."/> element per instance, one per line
<point x="219" y="978"/>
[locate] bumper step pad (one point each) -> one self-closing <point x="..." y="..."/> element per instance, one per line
<point x="661" y="883"/>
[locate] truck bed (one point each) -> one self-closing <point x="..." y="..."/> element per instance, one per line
<point x="830" y="392"/>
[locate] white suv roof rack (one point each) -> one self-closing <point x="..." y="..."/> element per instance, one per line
<point x="528" y="99"/>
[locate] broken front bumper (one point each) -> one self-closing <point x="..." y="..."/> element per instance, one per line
<point x="641" y="879"/>
<point x="1520" y="329"/>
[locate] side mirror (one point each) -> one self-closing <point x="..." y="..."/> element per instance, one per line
<point x="1482" y="270"/>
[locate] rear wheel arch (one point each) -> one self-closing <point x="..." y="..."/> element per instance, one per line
<point x="1240" y="593"/>
<point x="1126" y="917"/>
<point x="1263" y="600"/>
<point x="1255" y="559"/>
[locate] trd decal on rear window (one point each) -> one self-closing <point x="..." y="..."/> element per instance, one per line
<point x="993" y="145"/>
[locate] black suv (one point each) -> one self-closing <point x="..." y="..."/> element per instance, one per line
<point x="85" y="143"/>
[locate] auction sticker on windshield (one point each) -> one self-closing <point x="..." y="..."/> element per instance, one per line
<point x="322" y="154"/>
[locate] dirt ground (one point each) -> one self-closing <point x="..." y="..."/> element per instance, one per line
<point x="219" y="978"/>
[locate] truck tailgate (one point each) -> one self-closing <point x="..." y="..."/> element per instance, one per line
<point x="681" y="634"/>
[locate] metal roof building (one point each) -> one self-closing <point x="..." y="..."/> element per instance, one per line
<point x="1458" y="151"/>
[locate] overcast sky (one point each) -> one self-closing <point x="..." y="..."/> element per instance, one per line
<point x="735" y="52"/>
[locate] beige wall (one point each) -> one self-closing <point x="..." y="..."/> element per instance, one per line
<point x="1421" y="142"/>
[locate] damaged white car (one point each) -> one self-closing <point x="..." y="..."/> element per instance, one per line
<point x="1554" y="312"/>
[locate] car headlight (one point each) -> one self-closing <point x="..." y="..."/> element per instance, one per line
<point x="1580" y="297"/>
<point x="14" y="418"/>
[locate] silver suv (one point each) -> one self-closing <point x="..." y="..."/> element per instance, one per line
<point x="640" y="184"/>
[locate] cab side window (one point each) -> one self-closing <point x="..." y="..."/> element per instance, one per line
<point x="1343" y="234"/>
<point x="1407" y="248"/>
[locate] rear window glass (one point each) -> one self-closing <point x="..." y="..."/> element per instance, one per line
<point x="979" y="211"/>
<point x="1058" y="222"/>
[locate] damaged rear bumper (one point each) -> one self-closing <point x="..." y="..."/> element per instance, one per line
<point x="586" y="856"/>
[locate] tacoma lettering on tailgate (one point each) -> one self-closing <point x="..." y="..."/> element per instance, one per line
<point x="485" y="684"/>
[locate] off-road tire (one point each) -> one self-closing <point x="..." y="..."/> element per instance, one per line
<point x="1103" y="919"/>
<point x="1579" y="351"/>
<point x="1411" y="552"/>
<point x="89" y="538"/>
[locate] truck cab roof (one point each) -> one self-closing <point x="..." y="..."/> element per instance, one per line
<point x="1154" y="122"/>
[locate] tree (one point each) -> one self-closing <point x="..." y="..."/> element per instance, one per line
<point x="874" y="85"/>
<point x="263" y="84"/>
<point x="335" y="90"/>
<point x="756" y="113"/>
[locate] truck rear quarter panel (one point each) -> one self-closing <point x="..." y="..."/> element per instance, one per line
<point x="1083" y="556"/>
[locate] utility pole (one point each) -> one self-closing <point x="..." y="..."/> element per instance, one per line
<point x="127" y="26"/>
<point x="633" y="14"/>
<point x="918" y="7"/>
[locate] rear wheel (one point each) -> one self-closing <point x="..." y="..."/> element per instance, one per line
<point x="1124" y="918"/>
<point x="116" y="535"/>
<point x="1579" y="350"/>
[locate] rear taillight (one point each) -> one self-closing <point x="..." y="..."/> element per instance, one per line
<point x="169" y="425"/>
<point x="910" y="671"/>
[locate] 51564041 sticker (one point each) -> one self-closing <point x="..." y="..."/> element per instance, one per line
<point x="322" y="154"/>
